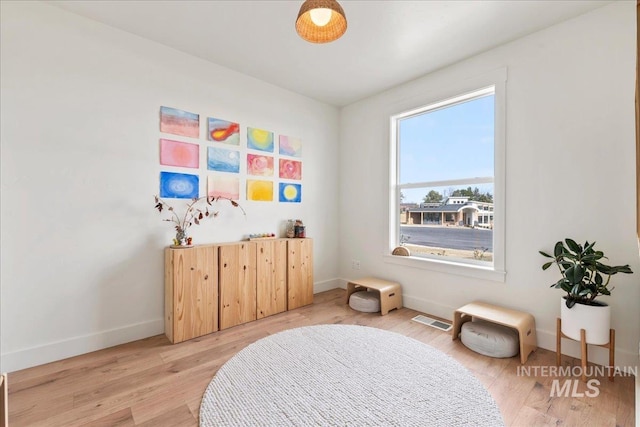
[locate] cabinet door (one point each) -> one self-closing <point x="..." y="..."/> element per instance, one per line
<point x="237" y="284"/>
<point x="271" y="277"/>
<point x="299" y="272"/>
<point x="193" y="273"/>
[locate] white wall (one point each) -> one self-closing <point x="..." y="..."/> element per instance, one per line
<point x="569" y="172"/>
<point x="82" y="246"/>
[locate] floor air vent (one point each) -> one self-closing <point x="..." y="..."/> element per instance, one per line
<point x="432" y="322"/>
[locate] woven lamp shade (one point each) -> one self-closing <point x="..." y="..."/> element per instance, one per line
<point x="313" y="33"/>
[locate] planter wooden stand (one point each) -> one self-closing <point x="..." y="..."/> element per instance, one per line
<point x="611" y="345"/>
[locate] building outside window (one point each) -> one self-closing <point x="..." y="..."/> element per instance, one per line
<point x="444" y="179"/>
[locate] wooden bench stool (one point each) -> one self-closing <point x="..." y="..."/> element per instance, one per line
<point x="524" y="323"/>
<point x="390" y="292"/>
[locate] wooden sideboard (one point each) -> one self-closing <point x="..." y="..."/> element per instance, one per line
<point x="214" y="287"/>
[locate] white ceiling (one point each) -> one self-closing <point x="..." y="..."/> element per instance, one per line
<point x="386" y="43"/>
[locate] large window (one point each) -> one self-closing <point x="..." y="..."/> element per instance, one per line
<point x="447" y="180"/>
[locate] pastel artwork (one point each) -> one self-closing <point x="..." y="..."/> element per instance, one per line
<point x="179" y="122"/>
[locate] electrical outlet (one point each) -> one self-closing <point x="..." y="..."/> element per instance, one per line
<point x="356" y="264"/>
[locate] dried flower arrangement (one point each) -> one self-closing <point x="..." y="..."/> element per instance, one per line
<point x="192" y="215"/>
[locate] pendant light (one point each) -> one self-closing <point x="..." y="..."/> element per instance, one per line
<point x="321" y="21"/>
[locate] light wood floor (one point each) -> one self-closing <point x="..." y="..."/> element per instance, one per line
<point x="154" y="383"/>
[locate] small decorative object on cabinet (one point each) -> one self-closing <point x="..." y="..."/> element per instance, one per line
<point x="299" y="229"/>
<point x="192" y="215"/>
<point x="291" y="233"/>
<point x="262" y="236"/>
<point x="191" y="292"/>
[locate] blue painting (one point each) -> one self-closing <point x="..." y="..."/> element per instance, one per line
<point x="290" y="193"/>
<point x="179" y="185"/>
<point x="219" y="159"/>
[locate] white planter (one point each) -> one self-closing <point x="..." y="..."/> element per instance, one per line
<point x="595" y="320"/>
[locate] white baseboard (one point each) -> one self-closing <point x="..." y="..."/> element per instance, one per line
<point x="59" y="350"/>
<point x="326" y="285"/>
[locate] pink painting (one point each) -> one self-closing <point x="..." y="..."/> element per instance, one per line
<point x="176" y="153"/>
<point x="259" y="165"/>
<point x="179" y="122"/>
<point x="290" y="146"/>
<point x="290" y="169"/>
<point x="223" y="186"/>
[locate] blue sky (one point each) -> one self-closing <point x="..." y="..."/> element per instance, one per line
<point x="451" y="143"/>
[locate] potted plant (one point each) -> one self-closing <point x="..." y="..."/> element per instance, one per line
<point x="584" y="278"/>
<point x="192" y="215"/>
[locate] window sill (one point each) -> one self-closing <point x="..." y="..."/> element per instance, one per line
<point x="449" y="267"/>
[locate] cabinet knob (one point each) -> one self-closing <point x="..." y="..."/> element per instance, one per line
<point x="206" y="276"/>
<point x="192" y="268"/>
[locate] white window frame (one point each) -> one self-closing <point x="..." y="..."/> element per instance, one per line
<point x="497" y="80"/>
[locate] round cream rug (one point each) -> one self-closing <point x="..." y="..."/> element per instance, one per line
<point x="345" y="375"/>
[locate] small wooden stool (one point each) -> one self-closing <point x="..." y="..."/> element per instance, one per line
<point x="524" y="323"/>
<point x="390" y="292"/>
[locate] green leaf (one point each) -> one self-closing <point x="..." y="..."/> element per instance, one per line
<point x="621" y="269"/>
<point x="589" y="258"/>
<point x="598" y="279"/>
<point x="545" y="254"/>
<point x="565" y="264"/>
<point x="558" y="249"/>
<point x="573" y="246"/>
<point x="547" y="265"/>
<point x="570" y="302"/>
<point x="574" y="274"/>
<point x="569" y="256"/>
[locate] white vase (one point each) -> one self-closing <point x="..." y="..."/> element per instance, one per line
<point x="595" y="320"/>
